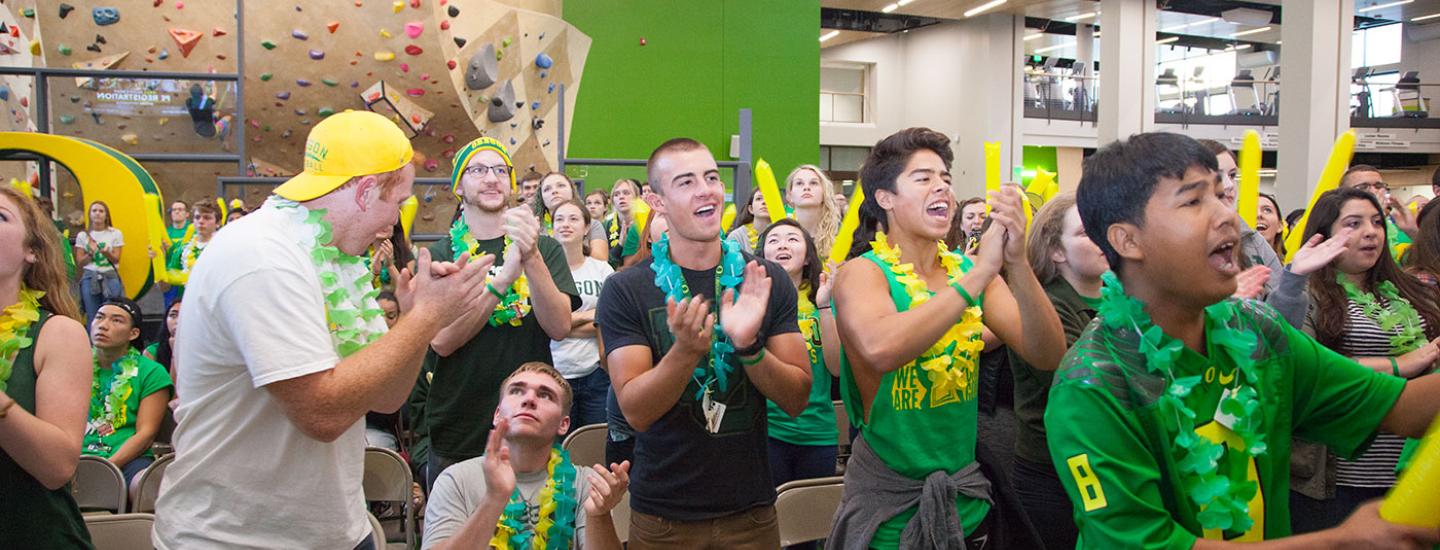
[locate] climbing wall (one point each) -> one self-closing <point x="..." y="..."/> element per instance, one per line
<point x="17" y="32"/>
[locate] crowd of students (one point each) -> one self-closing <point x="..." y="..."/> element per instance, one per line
<point x="1177" y="382"/>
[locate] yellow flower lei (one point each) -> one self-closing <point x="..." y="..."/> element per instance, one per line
<point x="754" y="236"/>
<point x="15" y="322"/>
<point x="809" y="320"/>
<point x="557" y="511"/>
<point x="953" y="362"/>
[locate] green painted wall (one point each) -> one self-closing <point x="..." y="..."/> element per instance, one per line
<point x="703" y="61"/>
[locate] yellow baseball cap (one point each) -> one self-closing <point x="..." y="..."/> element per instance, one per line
<point x="345" y="145"/>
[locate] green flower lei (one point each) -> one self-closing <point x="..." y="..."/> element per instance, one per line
<point x="556" y="514"/>
<point x="1223" y="500"/>
<point x="728" y="274"/>
<point x="351" y="311"/>
<point x="15" y="323"/>
<point x="1397" y="317"/>
<point x="516" y="304"/>
<point x="107" y="410"/>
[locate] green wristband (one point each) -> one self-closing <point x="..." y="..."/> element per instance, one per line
<point x="1395" y="367"/>
<point x="758" y="357"/>
<point x="969" y="300"/>
<point x="491" y="289"/>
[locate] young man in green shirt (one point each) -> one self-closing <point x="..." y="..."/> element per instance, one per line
<point x="129" y="392"/>
<point x="1171" y="417"/>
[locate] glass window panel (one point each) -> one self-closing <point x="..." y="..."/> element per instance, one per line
<point x="849" y="108"/>
<point x="1382" y="45"/>
<point x="847" y="159"/>
<point x="842" y="79"/>
<point x="827" y="108"/>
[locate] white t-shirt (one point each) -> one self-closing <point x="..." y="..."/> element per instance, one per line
<point x="460" y="489"/>
<point x="244" y="475"/>
<point x="111" y="238"/>
<point x="576" y="357"/>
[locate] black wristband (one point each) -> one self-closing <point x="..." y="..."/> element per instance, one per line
<point x="752" y="349"/>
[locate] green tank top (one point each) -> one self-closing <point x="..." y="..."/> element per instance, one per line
<point x="34" y="517"/>
<point x="914" y="429"/>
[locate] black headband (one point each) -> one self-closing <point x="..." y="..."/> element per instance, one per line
<point x="130" y="308"/>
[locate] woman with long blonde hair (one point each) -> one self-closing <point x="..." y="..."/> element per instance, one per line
<point x="45" y="375"/>
<point x="812" y="194"/>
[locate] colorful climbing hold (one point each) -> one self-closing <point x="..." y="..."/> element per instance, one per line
<point x="505" y="43"/>
<point x="459" y="42"/>
<point x="67" y="119"/>
<point x="534" y="105"/>
<point x="432" y="165"/>
<point x="544" y="74"/>
<point x="331" y="82"/>
<point x="217" y="31"/>
<point x="415" y="4"/>
<point x="453" y="11"/>
<point x="29" y="13"/>
<point x="299" y="35"/>
<point x="267" y="44"/>
<point x="551" y="90"/>
<point x="415" y="92"/>
<point x="35" y="47"/>
<point x="65" y="50"/>
<point x="282" y="95"/>
<point x="384" y="56"/>
<point x="265" y="77"/>
<point x="397" y="6"/>
<point x="164" y="54"/>
<point x="544" y="61"/>
<point x="302" y="83"/>
<point x="317" y="55"/>
<point x="445" y="25"/>
<point x="404" y="67"/>
<point x="332" y="26"/>
<point x="450" y="64"/>
<point x="105" y="16"/>
<point x="414" y="28"/>
<point x="93" y="47"/>
<point x="179" y="5"/>
<point x="299" y="112"/>
<point x="385" y="33"/>
<point x="325" y="111"/>
<point x="186" y="39"/>
<point x="131" y="139"/>
<point x="413" y="50"/>
<point x="99" y="39"/>
<point x="65" y="10"/>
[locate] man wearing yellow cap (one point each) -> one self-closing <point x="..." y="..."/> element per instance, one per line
<point x="526" y="305"/>
<point x="282" y="350"/>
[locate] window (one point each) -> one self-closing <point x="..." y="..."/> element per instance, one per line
<point x="840" y="162"/>
<point x="842" y="93"/>
<point x="1375" y="46"/>
<point x="1196" y="70"/>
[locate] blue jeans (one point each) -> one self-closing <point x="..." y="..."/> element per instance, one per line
<point x="590" y="391"/>
<point x="96" y="287"/>
<point x="789" y="462"/>
<point x="134" y="467"/>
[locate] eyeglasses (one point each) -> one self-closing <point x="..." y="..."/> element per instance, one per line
<point x="1372" y="186"/>
<point x="478" y="171"/>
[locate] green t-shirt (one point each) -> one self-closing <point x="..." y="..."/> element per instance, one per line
<point x="466" y="386"/>
<point x="632" y="242"/>
<point x="916" y="429"/>
<point x="150" y="378"/>
<point x="1032" y="385"/>
<point x="1396" y="238"/>
<point x="177" y="234"/>
<point x="1114" y="450"/>
<point x="816" y="424"/>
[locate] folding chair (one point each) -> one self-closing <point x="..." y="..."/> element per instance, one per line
<point x="805" y="508"/>
<point x="98" y="486"/>
<point x="147" y="489"/>
<point x="121" y="531"/>
<point x="387" y="479"/>
<point x="842" y="429"/>
<point x="587" y="445"/>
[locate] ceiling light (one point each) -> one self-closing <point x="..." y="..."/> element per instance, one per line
<point x="902" y="3"/>
<point x="1252" y="31"/>
<point x="983" y="7"/>
<point x="1190" y="24"/>
<point x="1075" y="18"/>
<point x="1425" y="17"/>
<point x="1055" y="47"/>
<point x="1097" y="34"/>
<point x="889" y="8"/>
<point x="1168" y="40"/>
<point x="1034" y="36"/>
<point x="1233" y="48"/>
<point x="1383" y="6"/>
<point x="829" y="35"/>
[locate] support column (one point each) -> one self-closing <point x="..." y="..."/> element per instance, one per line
<point x="991" y="110"/>
<point x="1314" y="72"/>
<point x="1127" y="69"/>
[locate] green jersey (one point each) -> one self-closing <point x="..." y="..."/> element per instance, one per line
<point x="1115" y="451"/>
<point x="915" y="426"/>
<point x="816" y="424"/>
<point x="103" y="439"/>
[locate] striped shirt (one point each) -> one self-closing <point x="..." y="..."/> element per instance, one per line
<point x="1374" y="468"/>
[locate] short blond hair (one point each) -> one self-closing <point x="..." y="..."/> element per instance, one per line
<point x="567" y="395"/>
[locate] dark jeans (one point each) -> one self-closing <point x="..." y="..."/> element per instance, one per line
<point x="620" y="445"/>
<point x="789" y="462"/>
<point x="134" y="467"/>
<point x="590" y="392"/>
<point x="1308" y="515"/>
<point x="1045" y="502"/>
<point x="436" y="465"/>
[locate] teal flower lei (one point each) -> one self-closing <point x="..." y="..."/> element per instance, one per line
<point x="513" y="308"/>
<point x="556" y="510"/>
<point x="727" y="276"/>
<point x="1397" y="317"/>
<point x="1223" y="500"/>
<point x="351" y="312"/>
<point x="107" y="410"/>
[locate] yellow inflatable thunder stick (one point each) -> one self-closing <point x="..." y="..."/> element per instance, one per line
<point x="848" y="225"/>
<point x="727" y="218"/>
<point x="639" y="213"/>
<point x="407" y="215"/>
<point x="1248" y="188"/>
<point x="1329" y="180"/>
<point x="992" y="171"/>
<point x="224" y="211"/>
<point x="160" y="272"/>
<point x="765" y="180"/>
<point x="1415" y="499"/>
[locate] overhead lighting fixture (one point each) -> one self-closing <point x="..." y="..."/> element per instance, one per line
<point x="1383" y="6"/>
<point x="1034" y="36"/>
<point x="1075" y="18"/>
<point x="1279" y="42"/>
<point x="1425" y="17"/>
<point x="829" y="35"/>
<point x="902" y="3"/>
<point x="982" y="8"/>
<point x="1097" y="34"/>
<point x="889" y="8"/>
<point x="1252" y="31"/>
<point x="1055" y="47"/>
<point x="1168" y="40"/>
<point x="1234" y="48"/>
<point x="1190" y="24"/>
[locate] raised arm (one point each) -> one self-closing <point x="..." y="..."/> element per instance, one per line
<point x="46" y="444"/>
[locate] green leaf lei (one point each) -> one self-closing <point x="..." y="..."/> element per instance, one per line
<point x="1397" y="317"/>
<point x="351" y="311"/>
<point x="1222" y="499"/>
<point x="15" y="323"/>
<point x="107" y="410"/>
<point x="728" y="275"/>
<point x="516" y="304"/>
